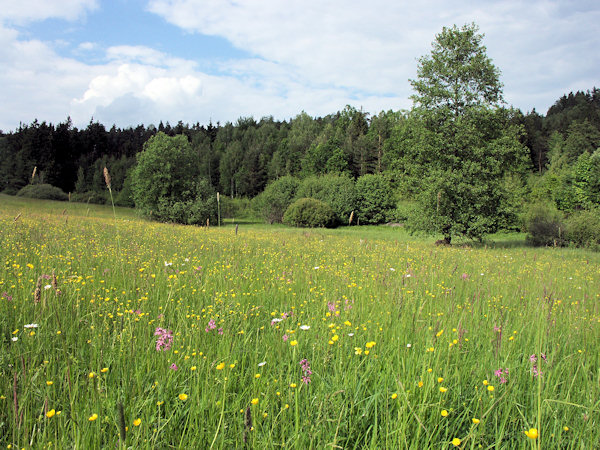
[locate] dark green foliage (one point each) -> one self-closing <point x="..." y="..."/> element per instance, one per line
<point x="43" y="191"/>
<point x="544" y="225"/>
<point x="582" y="229"/>
<point x="338" y="191"/>
<point x="374" y="199"/>
<point x="192" y="208"/>
<point x="309" y="213"/>
<point x="236" y="208"/>
<point x="99" y="198"/>
<point x="278" y="195"/>
<point x="125" y="195"/>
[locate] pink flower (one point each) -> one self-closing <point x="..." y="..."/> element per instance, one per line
<point x="173" y="366"/>
<point x="165" y="339"/>
<point x="220" y="330"/>
<point x="285" y="337"/>
<point x="533" y="358"/>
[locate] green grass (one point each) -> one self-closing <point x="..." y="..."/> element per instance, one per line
<point x="438" y="317"/>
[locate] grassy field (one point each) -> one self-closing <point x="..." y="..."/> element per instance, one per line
<point x="125" y="333"/>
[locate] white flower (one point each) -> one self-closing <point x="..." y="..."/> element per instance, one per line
<point x="187" y="259"/>
<point x="15" y="339"/>
<point x="260" y="364"/>
<point x="407" y="275"/>
<point x="305" y="327"/>
<point x="31" y="325"/>
<point x="276" y="319"/>
<point x="168" y="264"/>
<point x="392" y="269"/>
<point x="408" y="345"/>
<point x="350" y="334"/>
<point x="47" y="287"/>
<point x="316" y="267"/>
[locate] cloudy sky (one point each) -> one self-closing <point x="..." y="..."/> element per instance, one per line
<point x="127" y="62"/>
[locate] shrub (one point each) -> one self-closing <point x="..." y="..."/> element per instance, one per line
<point x="10" y="190"/>
<point x="277" y="196"/>
<point x="98" y="198"/>
<point x="193" y="207"/>
<point x="309" y="212"/>
<point x="125" y="195"/>
<point x="544" y="225"/>
<point x="338" y="191"/>
<point x="582" y="229"/>
<point x="43" y="191"/>
<point x="235" y="208"/>
<point x="374" y="199"/>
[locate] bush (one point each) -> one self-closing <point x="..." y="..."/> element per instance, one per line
<point x="125" y="195"/>
<point x="98" y="198"/>
<point x="277" y="196"/>
<point x="374" y="199"/>
<point x="544" y="225"/>
<point x="582" y="229"/>
<point x="338" y="191"/>
<point x="43" y="191"/>
<point x="193" y="208"/>
<point x="309" y="213"/>
<point x="235" y="208"/>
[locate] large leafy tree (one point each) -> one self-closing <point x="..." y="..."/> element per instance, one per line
<point x="459" y="142"/>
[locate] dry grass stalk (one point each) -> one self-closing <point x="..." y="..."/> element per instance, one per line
<point x="106" y="178"/>
<point x="17" y="218"/>
<point x="351" y="217"/>
<point x="33" y="174"/>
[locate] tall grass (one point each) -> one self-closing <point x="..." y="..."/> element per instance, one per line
<point x="396" y="331"/>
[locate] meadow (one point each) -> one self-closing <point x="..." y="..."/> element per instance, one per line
<point x="118" y="332"/>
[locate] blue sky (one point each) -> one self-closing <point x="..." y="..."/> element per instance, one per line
<point x="141" y="61"/>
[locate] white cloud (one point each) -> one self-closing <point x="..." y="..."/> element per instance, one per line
<point x="24" y="11"/>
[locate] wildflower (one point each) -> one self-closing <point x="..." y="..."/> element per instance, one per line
<point x="14" y="338"/>
<point x="260" y="364"/>
<point x="254" y="401"/>
<point x="490" y="388"/>
<point x="444" y="413"/>
<point x="485" y="382"/>
<point x="173" y="367"/>
<point x="183" y="397"/>
<point x="257" y="375"/>
<point x="357" y="350"/>
<point x="137" y="422"/>
<point x="293" y="343"/>
<point x="533" y="358"/>
<point x="104" y="370"/>
<point x="370" y="344"/>
<point x="285" y="337"/>
<point x="30" y="325"/>
<point x="475" y="420"/>
<point x="532" y="433"/>
<point x="443" y="389"/>
<point x="91" y="375"/>
<point x="566" y="428"/>
<point x="456" y="442"/>
<point x="306" y="371"/>
<point x="50" y="413"/>
<point x="211" y="325"/>
<point x="165" y="339"/>
<point x="93" y="417"/>
<point x="293" y="385"/>
<point x="49" y="383"/>
<point x="231" y="366"/>
<point x="221" y="366"/>
<point x="420" y="384"/>
<point x="498" y="373"/>
<point x="394" y="396"/>
<point x="305" y="327"/>
<point x="348" y="323"/>
<point x="440" y="379"/>
<point x="193" y="368"/>
<point x="220" y="331"/>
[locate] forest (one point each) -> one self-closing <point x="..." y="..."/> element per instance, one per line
<point x="470" y="163"/>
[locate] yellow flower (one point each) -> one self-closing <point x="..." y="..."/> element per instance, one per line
<point x="357" y="350"/>
<point x="430" y="370"/>
<point x="257" y="375"/>
<point x="293" y="385"/>
<point x="347" y="323"/>
<point x="490" y="388"/>
<point x="221" y="366"/>
<point x="161" y="402"/>
<point x="183" y="397"/>
<point x="370" y="344"/>
<point x="420" y="384"/>
<point x="293" y="343"/>
<point x="394" y="396"/>
<point x="440" y="379"/>
<point x="193" y="368"/>
<point x="49" y="383"/>
<point x="456" y="442"/>
<point x="485" y="382"/>
<point x="231" y="366"/>
<point x="137" y="422"/>
<point x="50" y="413"/>
<point x="443" y="389"/>
<point x="93" y="417"/>
<point x="254" y="401"/>
<point x="475" y="421"/>
<point x="444" y="413"/>
<point x="566" y="428"/>
<point x="532" y="433"/>
<point x="104" y="370"/>
<point x="91" y="375"/>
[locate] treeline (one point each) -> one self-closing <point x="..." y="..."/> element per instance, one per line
<point x="240" y="159"/>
